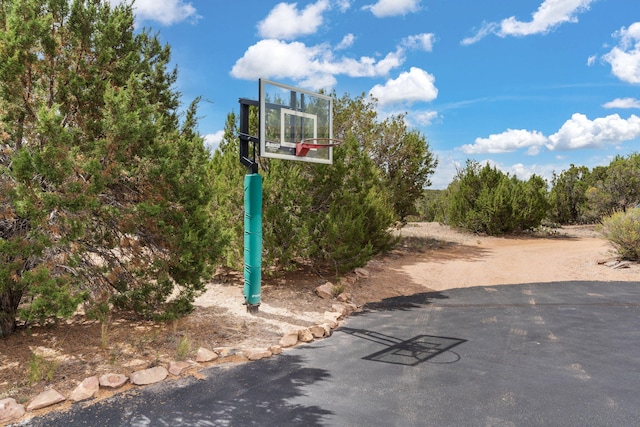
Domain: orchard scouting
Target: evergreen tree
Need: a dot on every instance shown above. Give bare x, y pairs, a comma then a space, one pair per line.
105, 194
568, 195
485, 200
402, 155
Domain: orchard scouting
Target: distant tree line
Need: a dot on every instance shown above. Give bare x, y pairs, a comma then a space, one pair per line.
482, 199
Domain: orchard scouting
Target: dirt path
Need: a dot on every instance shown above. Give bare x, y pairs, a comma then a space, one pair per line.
430, 258
487, 261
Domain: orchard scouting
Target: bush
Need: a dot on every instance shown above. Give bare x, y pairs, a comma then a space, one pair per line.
622, 229
485, 200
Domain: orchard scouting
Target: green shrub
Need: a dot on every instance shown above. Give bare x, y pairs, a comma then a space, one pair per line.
622, 229
482, 199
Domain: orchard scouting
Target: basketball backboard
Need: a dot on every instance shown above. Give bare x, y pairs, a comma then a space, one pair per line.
290, 115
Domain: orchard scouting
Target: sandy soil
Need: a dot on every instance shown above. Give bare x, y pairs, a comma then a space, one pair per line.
430, 257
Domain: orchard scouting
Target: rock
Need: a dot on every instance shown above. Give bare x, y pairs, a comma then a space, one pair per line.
289, 340
257, 354
275, 349
340, 308
226, 351
344, 297
325, 291
10, 410
622, 264
176, 368
112, 380
362, 273
149, 376
205, 355
85, 390
331, 317
317, 331
305, 335
327, 329
44, 399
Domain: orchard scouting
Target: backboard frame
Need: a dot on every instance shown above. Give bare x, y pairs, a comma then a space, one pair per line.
279, 141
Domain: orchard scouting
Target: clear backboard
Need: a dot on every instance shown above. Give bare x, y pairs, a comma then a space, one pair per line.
290, 116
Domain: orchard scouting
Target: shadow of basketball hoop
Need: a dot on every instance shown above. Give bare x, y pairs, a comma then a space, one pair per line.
409, 352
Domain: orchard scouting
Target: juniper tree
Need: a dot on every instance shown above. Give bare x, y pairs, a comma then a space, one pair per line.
104, 191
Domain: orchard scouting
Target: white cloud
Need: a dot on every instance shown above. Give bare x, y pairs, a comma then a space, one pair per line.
314, 66
167, 12
385, 8
212, 140
549, 15
591, 60
623, 103
422, 41
424, 118
625, 58
580, 132
346, 42
486, 29
343, 5
286, 22
507, 142
416, 85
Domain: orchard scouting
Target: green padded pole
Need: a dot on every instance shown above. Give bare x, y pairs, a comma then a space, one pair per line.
252, 240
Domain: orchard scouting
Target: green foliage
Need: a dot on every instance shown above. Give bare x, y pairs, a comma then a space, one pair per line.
227, 175
104, 189
402, 155
580, 195
334, 216
485, 200
353, 209
51, 297
622, 229
40, 369
429, 206
183, 348
617, 189
567, 198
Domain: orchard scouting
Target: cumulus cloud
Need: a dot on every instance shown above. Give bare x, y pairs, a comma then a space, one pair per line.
416, 85
346, 42
623, 103
286, 22
425, 118
549, 15
506, 142
212, 140
343, 5
386, 8
166, 12
315, 67
422, 41
625, 57
580, 132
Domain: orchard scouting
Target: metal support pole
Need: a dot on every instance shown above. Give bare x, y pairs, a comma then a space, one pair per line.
252, 241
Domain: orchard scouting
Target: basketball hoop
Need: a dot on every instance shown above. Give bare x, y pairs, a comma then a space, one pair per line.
303, 147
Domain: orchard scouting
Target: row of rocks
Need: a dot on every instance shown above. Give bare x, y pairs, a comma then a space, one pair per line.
615, 263
87, 389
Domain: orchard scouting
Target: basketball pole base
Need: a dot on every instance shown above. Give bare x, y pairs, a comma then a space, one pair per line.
252, 241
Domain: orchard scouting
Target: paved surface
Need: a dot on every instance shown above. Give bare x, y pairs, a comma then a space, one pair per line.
564, 354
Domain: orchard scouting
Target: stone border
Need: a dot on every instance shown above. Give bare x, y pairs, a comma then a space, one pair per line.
11, 411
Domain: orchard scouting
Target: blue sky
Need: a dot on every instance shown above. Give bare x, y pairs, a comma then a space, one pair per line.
531, 86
